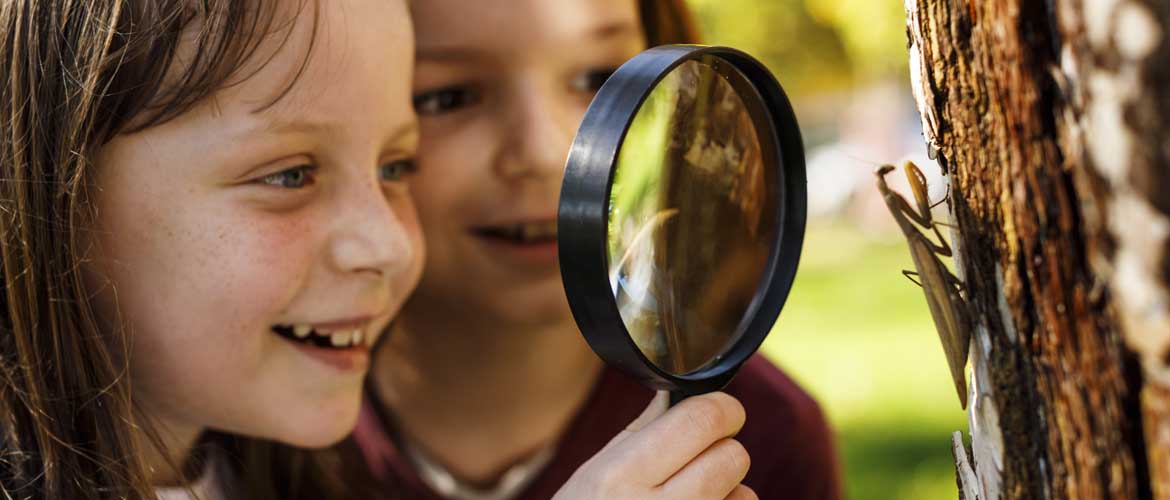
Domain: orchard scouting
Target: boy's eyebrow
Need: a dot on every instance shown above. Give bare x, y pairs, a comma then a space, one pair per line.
613, 30
458, 53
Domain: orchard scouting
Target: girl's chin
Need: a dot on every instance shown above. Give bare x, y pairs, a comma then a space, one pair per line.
319, 442
320, 437
320, 429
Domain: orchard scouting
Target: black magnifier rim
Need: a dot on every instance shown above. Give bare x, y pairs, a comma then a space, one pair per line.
583, 214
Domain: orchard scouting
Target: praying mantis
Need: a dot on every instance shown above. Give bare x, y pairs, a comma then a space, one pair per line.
942, 288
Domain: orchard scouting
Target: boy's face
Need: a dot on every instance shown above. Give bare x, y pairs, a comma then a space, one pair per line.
226, 232
501, 87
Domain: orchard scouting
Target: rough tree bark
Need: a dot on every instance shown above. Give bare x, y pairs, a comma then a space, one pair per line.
1052, 119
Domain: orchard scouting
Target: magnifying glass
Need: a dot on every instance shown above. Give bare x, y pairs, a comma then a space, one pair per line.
682, 214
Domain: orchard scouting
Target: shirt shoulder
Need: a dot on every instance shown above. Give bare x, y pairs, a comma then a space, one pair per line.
792, 448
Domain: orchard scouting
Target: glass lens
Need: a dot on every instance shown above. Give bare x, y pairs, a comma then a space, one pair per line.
692, 216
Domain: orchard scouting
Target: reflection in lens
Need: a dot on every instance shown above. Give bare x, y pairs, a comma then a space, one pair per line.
690, 224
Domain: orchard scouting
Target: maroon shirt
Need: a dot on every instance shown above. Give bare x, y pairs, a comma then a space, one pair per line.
791, 447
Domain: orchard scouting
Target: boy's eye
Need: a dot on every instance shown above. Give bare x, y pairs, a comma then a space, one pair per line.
292, 178
396, 170
444, 100
592, 80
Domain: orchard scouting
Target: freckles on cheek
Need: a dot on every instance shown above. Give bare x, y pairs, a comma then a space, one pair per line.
237, 266
276, 256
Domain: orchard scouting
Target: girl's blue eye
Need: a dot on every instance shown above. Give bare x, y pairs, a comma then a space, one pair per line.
444, 100
293, 178
396, 170
592, 80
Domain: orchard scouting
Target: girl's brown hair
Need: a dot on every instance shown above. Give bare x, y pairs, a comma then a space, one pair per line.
667, 22
73, 74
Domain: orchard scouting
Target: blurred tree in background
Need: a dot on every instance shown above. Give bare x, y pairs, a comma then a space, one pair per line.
871, 31
806, 54
814, 46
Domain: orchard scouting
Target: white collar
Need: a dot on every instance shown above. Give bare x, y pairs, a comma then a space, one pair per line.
209, 486
508, 487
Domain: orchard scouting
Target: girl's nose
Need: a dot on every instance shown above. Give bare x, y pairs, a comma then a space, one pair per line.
373, 234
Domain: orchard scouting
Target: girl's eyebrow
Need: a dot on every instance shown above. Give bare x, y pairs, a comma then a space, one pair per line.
293, 126
276, 125
406, 133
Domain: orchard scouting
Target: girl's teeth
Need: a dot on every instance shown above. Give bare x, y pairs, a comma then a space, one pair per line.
341, 338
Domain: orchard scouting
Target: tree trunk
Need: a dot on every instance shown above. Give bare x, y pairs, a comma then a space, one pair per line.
1052, 120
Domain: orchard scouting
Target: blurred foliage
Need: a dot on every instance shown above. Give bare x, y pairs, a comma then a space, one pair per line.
873, 31
812, 46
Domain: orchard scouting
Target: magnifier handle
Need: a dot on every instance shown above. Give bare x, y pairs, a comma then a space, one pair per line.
676, 397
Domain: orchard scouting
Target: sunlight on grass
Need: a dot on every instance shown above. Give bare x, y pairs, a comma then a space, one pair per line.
858, 336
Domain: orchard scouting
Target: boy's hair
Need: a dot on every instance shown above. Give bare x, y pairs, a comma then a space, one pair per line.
73, 74
667, 22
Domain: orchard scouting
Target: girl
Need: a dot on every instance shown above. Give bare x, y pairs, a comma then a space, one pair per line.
500, 87
204, 225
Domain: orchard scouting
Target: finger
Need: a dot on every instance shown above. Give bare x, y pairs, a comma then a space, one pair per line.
713, 474
658, 405
673, 440
742, 492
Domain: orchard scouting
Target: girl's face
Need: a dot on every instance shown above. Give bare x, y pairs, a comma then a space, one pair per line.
226, 232
500, 87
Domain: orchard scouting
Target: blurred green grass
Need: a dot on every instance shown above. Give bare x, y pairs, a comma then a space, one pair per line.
858, 336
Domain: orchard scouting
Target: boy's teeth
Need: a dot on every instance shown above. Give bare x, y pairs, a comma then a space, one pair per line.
302, 331
524, 232
357, 337
340, 339
528, 232
535, 230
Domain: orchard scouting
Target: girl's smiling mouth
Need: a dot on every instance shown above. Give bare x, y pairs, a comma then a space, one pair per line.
344, 345
321, 337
